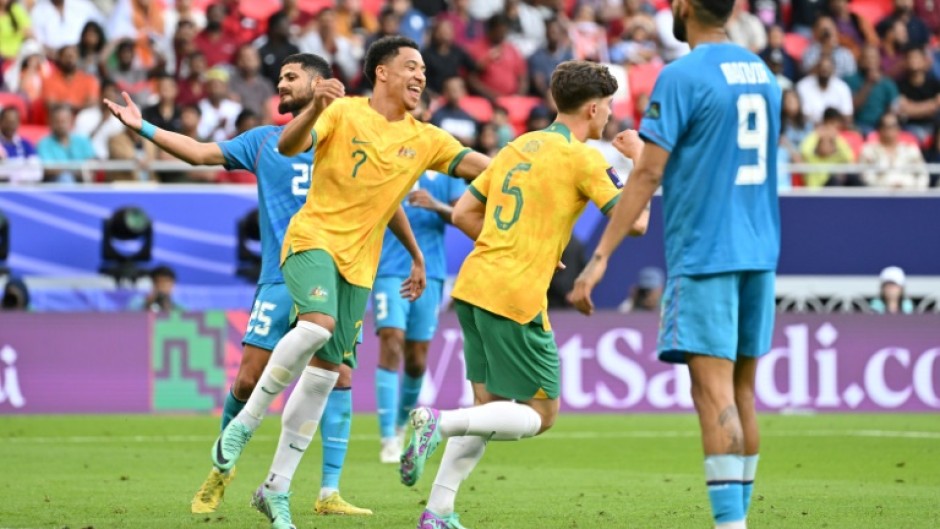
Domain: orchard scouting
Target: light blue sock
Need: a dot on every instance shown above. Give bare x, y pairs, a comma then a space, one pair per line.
750, 470
410, 389
231, 408
724, 475
334, 431
386, 400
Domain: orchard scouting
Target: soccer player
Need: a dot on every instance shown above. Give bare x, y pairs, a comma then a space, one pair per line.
369, 153
711, 132
405, 329
282, 186
520, 212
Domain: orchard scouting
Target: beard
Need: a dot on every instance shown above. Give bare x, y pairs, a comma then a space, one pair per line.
678, 28
295, 105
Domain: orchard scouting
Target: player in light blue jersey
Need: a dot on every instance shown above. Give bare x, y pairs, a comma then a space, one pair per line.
711, 129
282, 189
405, 328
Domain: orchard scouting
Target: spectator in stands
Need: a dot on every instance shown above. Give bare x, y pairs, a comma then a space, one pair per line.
430, 8
15, 295
192, 83
467, 29
540, 117
165, 114
527, 26
917, 30
451, 117
91, 47
573, 260
389, 24
444, 58
825, 146
413, 22
893, 46
217, 45
29, 70
190, 117
218, 110
932, 154
141, 22
588, 38
63, 146
854, 31
502, 69
335, 48
646, 294
794, 126
19, 161
920, 95
160, 297
544, 61
928, 11
631, 11
891, 298
246, 84
487, 140
298, 18
872, 93
776, 60
97, 123
775, 52
68, 85
183, 45
893, 163
354, 23
59, 23
746, 29
505, 132
183, 10
275, 46
246, 120
638, 46
826, 43
822, 90
672, 48
126, 146
128, 72
15, 27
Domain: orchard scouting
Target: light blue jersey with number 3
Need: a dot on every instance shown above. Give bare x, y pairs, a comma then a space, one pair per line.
717, 111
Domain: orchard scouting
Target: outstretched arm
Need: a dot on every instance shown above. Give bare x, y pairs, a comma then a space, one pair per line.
183, 147
412, 287
296, 137
471, 165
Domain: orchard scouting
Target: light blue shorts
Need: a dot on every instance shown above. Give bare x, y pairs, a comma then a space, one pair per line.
721, 315
270, 316
418, 319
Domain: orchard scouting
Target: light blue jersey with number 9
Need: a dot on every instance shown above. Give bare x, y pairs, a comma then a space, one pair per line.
717, 111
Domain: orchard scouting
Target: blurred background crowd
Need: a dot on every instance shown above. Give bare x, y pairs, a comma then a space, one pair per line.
860, 77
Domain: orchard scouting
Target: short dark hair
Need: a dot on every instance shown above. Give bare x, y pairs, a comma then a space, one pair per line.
162, 271
831, 114
6, 110
498, 20
311, 63
245, 115
384, 50
577, 82
714, 12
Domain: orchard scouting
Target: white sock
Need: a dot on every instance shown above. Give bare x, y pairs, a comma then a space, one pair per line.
499, 421
732, 525
287, 361
298, 424
460, 457
326, 491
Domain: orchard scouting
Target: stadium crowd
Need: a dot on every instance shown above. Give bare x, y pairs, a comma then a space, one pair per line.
860, 78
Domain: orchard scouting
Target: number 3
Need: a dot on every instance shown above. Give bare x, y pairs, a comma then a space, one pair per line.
752, 138
381, 305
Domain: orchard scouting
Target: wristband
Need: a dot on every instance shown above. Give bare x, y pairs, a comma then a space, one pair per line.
147, 130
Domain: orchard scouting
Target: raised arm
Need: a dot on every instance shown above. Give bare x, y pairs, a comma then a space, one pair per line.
183, 147
296, 136
412, 287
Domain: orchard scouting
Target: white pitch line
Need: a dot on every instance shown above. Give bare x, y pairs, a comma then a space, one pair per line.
561, 436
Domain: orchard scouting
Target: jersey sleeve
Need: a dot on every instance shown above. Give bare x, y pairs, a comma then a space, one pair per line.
327, 121
600, 184
480, 187
669, 109
448, 152
241, 152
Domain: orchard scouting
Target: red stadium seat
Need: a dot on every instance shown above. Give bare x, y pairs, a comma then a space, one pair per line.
259, 9
795, 44
33, 133
478, 107
519, 108
872, 10
854, 139
642, 78
276, 117
373, 6
903, 137
8, 99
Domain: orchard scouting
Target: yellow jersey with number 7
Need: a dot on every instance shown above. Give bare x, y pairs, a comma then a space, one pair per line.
363, 167
534, 190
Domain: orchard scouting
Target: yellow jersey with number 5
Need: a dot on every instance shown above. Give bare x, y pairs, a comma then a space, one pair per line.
534, 190
363, 167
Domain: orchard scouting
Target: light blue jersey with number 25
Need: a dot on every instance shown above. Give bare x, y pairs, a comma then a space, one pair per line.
717, 111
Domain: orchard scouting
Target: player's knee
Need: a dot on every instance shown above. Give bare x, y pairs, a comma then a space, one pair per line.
392, 348
244, 384
320, 320
415, 366
548, 414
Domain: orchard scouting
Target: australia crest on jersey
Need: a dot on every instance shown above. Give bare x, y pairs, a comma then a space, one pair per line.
407, 152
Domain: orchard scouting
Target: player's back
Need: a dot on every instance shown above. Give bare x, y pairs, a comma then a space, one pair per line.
282, 187
717, 111
534, 190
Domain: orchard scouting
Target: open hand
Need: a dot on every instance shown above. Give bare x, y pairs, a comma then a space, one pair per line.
592, 274
129, 115
413, 287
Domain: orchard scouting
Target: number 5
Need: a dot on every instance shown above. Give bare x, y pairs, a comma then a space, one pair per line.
516, 193
752, 138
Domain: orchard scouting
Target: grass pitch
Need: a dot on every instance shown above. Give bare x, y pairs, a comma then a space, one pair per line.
591, 471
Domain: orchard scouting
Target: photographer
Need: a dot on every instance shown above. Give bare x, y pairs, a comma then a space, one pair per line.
160, 298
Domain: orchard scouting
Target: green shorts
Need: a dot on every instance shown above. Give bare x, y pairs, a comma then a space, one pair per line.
514, 361
315, 285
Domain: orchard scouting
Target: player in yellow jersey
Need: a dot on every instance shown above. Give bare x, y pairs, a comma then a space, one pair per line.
520, 212
369, 153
